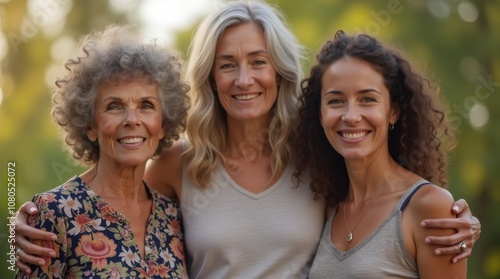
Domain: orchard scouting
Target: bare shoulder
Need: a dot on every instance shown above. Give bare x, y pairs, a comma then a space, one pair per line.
164, 172
431, 201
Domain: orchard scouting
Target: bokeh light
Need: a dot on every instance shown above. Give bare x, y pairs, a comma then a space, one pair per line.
438, 8
468, 11
479, 116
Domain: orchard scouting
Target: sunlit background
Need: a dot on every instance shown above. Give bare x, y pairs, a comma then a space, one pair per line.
456, 43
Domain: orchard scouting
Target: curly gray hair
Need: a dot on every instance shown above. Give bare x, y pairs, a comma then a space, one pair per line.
116, 52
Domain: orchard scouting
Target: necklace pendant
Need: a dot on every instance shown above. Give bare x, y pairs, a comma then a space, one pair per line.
349, 237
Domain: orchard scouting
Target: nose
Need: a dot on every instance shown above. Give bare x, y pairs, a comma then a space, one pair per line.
131, 117
244, 78
351, 114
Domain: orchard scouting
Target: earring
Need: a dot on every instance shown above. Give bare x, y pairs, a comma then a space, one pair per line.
391, 126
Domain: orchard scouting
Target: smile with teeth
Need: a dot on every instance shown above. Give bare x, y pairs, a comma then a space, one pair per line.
246, 96
353, 135
131, 140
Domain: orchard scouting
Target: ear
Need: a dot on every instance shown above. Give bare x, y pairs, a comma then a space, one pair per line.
91, 134
395, 112
320, 118
278, 80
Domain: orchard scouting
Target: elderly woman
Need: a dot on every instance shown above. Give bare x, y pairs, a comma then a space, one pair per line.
118, 104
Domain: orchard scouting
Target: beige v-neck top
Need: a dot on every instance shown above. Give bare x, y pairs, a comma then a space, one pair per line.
233, 233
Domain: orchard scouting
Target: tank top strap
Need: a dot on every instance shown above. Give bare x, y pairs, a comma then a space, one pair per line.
410, 192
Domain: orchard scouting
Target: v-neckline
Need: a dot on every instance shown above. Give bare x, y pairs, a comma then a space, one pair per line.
262, 194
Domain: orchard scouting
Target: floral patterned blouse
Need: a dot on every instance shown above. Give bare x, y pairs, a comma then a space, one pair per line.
95, 241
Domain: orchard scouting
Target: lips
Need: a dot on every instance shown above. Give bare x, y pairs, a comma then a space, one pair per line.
131, 140
245, 97
356, 135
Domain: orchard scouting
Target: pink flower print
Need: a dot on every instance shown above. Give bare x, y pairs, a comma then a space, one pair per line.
46, 198
96, 247
174, 227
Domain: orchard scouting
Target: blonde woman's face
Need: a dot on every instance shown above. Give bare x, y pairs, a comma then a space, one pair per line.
128, 122
245, 80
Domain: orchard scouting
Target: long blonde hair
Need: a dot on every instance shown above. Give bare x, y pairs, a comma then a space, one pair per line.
206, 128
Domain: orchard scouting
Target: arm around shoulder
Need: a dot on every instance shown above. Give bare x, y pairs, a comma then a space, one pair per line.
164, 173
431, 202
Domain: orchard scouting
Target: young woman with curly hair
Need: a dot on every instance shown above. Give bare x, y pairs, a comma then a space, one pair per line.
374, 138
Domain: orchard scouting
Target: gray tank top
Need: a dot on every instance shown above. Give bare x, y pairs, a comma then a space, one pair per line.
383, 254
233, 233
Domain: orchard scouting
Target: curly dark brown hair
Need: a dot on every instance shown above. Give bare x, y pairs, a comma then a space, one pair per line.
421, 136
116, 52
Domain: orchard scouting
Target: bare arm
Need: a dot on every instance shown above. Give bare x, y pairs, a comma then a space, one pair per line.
164, 173
468, 230
432, 202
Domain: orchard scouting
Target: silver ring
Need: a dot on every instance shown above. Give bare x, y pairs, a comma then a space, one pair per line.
462, 247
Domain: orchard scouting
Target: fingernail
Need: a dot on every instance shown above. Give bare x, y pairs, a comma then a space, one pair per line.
52, 254
53, 237
422, 224
427, 240
455, 208
32, 209
41, 262
454, 260
438, 252
28, 271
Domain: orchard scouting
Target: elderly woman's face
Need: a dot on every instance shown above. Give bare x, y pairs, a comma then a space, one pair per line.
128, 122
245, 80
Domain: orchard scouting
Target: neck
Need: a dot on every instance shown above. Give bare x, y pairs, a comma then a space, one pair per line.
113, 182
366, 180
247, 138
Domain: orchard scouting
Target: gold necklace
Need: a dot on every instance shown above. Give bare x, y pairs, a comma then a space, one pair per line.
349, 235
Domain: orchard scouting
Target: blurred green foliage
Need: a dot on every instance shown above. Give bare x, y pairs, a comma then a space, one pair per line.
455, 42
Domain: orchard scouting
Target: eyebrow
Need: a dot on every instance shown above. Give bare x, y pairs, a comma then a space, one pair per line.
362, 91
252, 53
115, 99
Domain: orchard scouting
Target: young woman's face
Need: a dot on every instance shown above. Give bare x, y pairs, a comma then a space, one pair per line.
128, 122
355, 109
245, 80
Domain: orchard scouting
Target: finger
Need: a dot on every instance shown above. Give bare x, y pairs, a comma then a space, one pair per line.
22, 266
446, 223
449, 240
29, 259
462, 256
33, 250
460, 206
23, 230
28, 208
